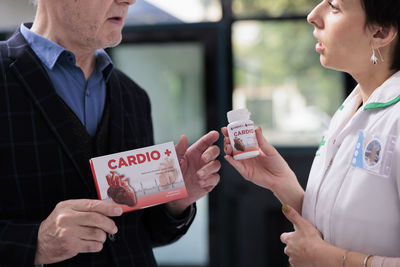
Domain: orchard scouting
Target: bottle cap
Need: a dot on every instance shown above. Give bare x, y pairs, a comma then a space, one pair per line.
238, 115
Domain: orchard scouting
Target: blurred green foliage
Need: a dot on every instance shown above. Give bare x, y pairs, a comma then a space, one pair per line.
272, 7
282, 52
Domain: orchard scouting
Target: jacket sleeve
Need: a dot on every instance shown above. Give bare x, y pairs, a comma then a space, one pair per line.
18, 243
163, 228
18, 238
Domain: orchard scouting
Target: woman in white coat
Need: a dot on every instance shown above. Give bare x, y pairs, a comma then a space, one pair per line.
349, 214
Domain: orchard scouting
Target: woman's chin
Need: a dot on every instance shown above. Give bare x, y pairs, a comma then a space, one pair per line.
328, 64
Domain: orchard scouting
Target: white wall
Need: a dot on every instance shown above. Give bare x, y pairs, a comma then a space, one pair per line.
13, 12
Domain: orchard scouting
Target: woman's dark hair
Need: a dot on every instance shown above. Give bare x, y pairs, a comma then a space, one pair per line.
385, 13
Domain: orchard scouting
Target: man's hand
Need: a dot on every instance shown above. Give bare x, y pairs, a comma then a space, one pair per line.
75, 226
199, 169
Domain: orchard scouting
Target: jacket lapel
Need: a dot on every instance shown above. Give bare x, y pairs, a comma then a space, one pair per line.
117, 126
32, 75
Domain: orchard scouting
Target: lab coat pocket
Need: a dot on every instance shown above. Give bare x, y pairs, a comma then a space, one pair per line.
374, 152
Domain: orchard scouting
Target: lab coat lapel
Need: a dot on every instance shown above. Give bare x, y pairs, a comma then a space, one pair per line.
345, 116
339, 122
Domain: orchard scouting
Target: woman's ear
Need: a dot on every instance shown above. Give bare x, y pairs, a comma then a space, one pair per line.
383, 36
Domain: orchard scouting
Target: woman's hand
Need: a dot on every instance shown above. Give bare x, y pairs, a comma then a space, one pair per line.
268, 170
303, 244
264, 170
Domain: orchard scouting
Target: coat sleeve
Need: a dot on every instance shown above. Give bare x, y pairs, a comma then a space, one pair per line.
18, 238
18, 243
397, 166
385, 262
163, 228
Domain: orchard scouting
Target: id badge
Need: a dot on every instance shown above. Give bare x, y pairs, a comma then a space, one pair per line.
374, 153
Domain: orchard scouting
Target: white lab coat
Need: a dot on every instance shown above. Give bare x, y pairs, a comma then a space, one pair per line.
353, 191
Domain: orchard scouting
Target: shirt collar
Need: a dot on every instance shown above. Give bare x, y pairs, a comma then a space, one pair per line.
49, 52
385, 95
104, 63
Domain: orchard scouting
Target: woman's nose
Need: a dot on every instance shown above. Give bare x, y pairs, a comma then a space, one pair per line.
314, 17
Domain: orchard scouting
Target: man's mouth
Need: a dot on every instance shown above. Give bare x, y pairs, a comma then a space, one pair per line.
117, 19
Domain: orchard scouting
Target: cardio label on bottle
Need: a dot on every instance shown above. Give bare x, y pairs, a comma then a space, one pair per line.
241, 131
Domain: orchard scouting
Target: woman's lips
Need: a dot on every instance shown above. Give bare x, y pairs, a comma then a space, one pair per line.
319, 47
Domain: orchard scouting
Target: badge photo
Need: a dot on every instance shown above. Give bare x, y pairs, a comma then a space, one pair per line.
374, 153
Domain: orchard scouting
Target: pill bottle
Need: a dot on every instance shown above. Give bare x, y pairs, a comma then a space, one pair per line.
242, 134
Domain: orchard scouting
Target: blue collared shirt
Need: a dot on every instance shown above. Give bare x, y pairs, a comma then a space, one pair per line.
85, 98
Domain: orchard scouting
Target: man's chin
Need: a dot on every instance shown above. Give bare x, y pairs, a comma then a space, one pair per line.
113, 42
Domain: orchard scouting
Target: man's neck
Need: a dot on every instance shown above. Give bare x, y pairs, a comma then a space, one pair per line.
85, 57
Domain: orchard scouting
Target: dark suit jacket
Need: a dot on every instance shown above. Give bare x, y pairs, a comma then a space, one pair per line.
43, 162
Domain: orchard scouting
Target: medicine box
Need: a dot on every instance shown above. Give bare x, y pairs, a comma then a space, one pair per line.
139, 178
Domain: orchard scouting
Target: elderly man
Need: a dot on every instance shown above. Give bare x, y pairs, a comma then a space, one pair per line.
61, 103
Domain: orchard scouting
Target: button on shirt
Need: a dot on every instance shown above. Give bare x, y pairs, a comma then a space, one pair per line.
85, 98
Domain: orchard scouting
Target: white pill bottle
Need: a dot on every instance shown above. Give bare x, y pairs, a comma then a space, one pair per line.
242, 134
